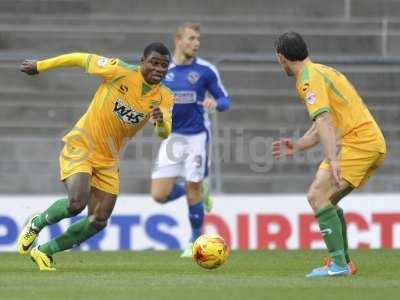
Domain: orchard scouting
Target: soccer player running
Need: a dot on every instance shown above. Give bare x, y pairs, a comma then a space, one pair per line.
186, 151
340, 119
127, 98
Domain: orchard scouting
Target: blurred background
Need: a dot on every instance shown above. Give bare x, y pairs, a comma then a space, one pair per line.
359, 37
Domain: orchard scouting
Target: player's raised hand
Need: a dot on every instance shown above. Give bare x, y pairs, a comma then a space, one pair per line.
335, 172
209, 104
283, 147
29, 67
156, 114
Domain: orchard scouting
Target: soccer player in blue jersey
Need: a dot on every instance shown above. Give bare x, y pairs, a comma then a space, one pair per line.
185, 154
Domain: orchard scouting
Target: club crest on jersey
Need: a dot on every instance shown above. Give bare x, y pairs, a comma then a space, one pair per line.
193, 77
126, 114
102, 62
311, 97
170, 77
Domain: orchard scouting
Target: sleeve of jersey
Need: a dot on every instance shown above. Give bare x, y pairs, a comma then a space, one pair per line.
102, 66
91, 63
314, 94
217, 90
164, 129
63, 61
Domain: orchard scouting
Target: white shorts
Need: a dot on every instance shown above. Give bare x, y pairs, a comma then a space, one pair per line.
183, 156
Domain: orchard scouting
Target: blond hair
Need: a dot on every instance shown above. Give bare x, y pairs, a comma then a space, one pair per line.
181, 29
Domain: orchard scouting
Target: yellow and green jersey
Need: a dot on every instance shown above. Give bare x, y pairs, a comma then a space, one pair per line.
119, 109
324, 89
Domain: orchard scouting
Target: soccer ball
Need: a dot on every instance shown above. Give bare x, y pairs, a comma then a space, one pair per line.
210, 251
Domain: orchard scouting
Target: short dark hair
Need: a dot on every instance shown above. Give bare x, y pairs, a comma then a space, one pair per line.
292, 46
156, 47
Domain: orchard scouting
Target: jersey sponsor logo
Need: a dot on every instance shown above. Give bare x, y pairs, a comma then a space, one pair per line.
311, 97
193, 77
102, 62
185, 97
128, 115
169, 77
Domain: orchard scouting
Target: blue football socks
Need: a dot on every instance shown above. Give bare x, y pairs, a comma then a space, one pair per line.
178, 190
196, 218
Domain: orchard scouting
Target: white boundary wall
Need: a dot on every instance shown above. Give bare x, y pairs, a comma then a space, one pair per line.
246, 222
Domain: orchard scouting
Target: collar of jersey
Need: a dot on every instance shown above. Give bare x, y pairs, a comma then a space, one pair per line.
298, 79
174, 64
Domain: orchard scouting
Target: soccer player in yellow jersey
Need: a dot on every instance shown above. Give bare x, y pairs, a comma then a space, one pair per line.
128, 97
341, 121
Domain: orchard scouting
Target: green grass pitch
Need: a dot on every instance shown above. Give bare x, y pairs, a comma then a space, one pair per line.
163, 275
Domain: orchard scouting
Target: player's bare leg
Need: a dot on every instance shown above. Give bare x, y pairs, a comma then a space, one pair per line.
78, 188
80, 194
166, 189
100, 208
320, 196
196, 213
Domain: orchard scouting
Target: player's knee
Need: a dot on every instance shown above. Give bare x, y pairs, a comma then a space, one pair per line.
194, 191
78, 202
99, 222
194, 196
317, 199
313, 198
76, 206
193, 199
159, 197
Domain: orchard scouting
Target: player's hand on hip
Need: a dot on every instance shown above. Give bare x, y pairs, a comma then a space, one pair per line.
29, 67
209, 104
335, 172
156, 115
283, 147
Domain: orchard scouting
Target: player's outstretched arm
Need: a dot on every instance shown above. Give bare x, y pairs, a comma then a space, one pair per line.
221, 101
32, 67
288, 147
283, 147
308, 140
